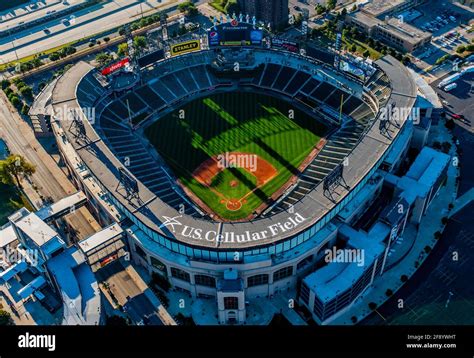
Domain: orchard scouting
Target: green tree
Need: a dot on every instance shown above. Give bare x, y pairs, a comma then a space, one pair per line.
231, 7
122, 49
139, 42
25, 109
14, 168
366, 53
15, 100
27, 92
331, 4
103, 58
188, 8
54, 56
5, 84
320, 9
461, 49
5, 318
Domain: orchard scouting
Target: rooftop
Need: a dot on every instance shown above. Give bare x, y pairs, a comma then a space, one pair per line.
404, 30
336, 277
39, 232
100, 238
381, 7
78, 286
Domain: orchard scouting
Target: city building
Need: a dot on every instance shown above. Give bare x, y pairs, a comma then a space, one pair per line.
37, 264
382, 8
273, 12
390, 30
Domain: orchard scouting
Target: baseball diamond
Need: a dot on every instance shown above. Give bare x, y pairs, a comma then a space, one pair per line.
192, 137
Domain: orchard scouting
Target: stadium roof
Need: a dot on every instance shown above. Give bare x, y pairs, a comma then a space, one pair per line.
158, 216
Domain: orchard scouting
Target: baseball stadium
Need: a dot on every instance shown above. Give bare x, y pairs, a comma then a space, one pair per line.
234, 163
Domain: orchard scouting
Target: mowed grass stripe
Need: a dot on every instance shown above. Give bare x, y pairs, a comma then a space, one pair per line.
231, 122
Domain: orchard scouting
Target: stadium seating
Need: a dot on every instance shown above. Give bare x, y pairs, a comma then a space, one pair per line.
190, 74
89, 91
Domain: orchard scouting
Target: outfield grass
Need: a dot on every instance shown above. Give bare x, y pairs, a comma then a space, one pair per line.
235, 122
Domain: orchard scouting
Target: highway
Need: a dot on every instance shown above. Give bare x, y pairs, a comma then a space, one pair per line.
86, 22
49, 178
25, 14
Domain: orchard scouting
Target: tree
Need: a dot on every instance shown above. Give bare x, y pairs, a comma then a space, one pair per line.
26, 91
232, 7
353, 48
5, 318
122, 49
331, 4
320, 9
461, 49
54, 56
14, 168
15, 100
139, 42
25, 109
366, 53
5, 84
102, 58
188, 8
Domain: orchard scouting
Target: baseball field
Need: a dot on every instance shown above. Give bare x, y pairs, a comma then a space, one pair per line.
234, 153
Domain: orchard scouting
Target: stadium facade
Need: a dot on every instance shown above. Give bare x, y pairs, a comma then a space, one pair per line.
97, 134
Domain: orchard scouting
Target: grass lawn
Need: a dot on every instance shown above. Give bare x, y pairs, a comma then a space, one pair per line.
235, 122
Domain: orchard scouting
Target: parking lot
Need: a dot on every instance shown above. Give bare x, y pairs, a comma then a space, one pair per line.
447, 22
459, 101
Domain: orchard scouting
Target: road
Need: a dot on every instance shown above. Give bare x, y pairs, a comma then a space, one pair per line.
25, 14
87, 22
49, 178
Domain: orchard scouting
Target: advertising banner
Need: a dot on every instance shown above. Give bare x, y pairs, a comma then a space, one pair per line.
291, 46
115, 67
185, 47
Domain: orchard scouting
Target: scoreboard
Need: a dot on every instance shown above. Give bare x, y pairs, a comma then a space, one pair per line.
235, 34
